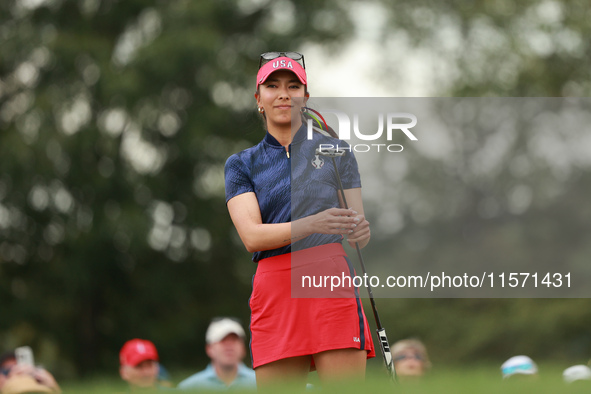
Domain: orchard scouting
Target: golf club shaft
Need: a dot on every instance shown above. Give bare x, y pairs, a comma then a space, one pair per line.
384, 344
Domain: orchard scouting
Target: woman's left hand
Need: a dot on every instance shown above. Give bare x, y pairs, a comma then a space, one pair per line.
361, 233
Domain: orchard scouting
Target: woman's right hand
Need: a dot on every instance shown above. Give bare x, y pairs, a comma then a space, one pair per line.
335, 221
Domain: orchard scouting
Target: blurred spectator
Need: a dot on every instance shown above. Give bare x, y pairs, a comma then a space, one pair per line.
410, 358
225, 347
576, 372
140, 365
519, 365
6, 361
21, 379
164, 379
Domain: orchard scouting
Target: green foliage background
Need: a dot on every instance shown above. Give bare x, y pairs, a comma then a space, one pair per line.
116, 118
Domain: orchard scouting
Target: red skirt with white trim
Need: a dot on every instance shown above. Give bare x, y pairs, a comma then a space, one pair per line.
297, 310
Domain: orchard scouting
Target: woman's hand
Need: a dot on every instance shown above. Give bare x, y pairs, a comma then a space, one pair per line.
361, 233
335, 221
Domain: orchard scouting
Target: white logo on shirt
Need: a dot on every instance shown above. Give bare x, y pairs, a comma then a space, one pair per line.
317, 162
355, 339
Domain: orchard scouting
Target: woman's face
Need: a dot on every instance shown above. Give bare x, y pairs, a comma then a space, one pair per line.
275, 96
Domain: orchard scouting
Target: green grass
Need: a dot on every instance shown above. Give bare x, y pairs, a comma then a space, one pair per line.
481, 379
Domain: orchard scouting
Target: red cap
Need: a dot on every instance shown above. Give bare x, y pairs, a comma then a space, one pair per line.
135, 351
281, 63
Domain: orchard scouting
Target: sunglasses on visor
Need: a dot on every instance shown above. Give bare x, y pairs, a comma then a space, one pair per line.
268, 56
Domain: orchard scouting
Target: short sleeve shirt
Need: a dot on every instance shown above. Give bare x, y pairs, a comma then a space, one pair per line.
292, 184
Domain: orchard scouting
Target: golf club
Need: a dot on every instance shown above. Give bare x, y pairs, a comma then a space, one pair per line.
381, 331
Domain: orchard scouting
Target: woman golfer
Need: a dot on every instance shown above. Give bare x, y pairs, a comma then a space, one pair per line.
284, 202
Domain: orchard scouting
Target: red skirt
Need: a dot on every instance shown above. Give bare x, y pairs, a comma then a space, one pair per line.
282, 326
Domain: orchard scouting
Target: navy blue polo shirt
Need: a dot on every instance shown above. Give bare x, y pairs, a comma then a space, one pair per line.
291, 186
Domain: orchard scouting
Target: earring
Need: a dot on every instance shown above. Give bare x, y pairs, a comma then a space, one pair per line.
261, 110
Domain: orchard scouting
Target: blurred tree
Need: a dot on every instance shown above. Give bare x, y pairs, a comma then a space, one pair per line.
116, 118
490, 195
489, 47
